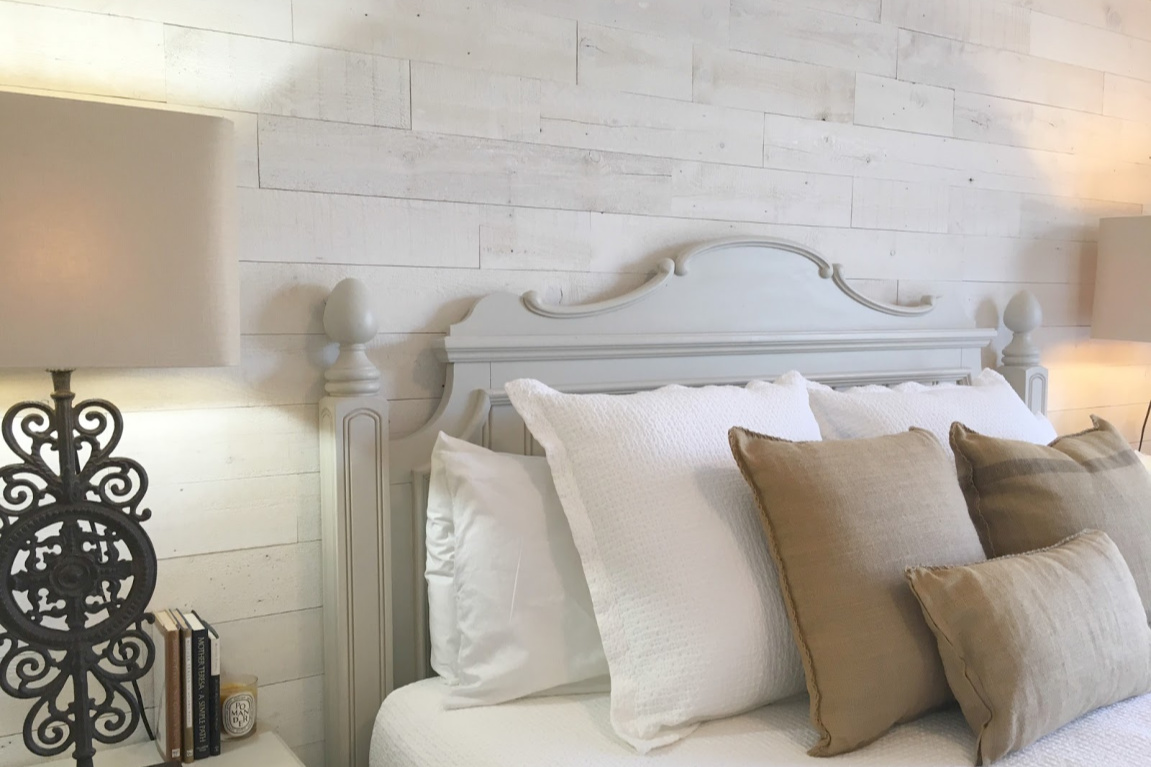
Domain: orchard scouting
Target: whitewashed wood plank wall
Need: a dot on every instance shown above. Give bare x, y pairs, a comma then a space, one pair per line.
440, 150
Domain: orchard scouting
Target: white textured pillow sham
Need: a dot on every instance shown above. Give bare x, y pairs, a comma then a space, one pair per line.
684, 590
524, 619
989, 406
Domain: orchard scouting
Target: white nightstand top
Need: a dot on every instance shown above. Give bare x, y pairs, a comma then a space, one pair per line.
264, 749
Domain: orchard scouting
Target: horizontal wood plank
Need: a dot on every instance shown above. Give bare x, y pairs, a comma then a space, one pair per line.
1090, 47
985, 212
309, 155
1127, 98
981, 69
622, 122
273, 77
188, 517
863, 9
788, 31
484, 35
90, 53
1066, 218
471, 103
619, 59
307, 227
1003, 24
279, 647
701, 190
258, 18
277, 580
778, 86
294, 709
899, 205
691, 19
1128, 17
887, 103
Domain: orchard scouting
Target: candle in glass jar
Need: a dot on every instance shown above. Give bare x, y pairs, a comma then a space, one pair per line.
238, 696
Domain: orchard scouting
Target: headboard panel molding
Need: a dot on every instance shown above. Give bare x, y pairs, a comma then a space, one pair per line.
723, 313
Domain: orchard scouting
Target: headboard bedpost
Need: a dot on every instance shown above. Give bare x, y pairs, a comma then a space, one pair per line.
1021, 365
355, 532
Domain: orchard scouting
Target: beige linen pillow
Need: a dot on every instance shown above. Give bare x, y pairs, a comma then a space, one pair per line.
1033, 641
1023, 497
843, 520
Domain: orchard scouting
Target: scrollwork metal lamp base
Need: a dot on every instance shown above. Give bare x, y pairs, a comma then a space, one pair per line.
78, 572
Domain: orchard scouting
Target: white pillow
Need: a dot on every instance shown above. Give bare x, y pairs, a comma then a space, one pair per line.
684, 589
439, 571
989, 406
524, 615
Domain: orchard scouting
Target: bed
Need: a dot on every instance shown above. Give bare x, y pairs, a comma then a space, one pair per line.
725, 312
414, 730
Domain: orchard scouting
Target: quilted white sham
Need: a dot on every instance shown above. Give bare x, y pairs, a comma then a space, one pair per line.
689, 609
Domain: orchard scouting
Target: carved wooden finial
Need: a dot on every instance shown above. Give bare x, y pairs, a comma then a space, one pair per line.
1022, 315
349, 321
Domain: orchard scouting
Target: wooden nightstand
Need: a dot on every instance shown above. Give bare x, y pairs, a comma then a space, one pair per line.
264, 749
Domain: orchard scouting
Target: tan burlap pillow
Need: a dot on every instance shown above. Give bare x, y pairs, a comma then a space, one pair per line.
1033, 641
1023, 497
843, 520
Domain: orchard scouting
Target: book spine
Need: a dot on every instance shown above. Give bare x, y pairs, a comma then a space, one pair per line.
214, 730
189, 728
215, 723
200, 673
173, 696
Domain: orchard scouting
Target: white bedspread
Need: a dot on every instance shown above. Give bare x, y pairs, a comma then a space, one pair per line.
413, 730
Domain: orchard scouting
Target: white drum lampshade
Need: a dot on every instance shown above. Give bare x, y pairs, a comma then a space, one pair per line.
116, 236
1122, 307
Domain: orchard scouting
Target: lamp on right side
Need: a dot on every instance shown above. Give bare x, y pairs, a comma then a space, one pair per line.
1122, 307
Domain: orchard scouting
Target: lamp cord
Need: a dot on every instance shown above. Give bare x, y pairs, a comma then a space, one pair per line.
1144, 429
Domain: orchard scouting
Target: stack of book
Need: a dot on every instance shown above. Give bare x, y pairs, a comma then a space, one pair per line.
187, 685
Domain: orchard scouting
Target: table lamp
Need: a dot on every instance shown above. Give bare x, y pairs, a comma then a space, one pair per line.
1122, 307
116, 250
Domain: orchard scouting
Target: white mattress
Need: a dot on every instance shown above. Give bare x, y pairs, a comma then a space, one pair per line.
413, 730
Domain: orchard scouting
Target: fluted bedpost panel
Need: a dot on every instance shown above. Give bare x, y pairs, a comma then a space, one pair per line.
1021, 367
356, 531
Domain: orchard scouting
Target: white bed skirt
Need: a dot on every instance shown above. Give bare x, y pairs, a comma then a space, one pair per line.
413, 730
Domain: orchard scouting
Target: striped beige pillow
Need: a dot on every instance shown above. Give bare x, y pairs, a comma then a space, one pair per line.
1023, 497
1033, 641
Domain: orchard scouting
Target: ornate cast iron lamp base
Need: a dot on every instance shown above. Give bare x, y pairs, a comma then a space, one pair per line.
78, 572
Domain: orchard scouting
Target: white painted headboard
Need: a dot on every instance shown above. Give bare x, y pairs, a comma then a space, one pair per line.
727, 312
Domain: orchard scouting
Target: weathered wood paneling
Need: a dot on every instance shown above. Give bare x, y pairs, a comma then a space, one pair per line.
595, 119
1091, 47
256, 75
618, 59
470, 103
887, 103
778, 86
788, 31
441, 151
693, 19
81, 52
259, 18
1003, 24
996, 72
483, 35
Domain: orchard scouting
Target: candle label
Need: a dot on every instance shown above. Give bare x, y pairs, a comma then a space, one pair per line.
239, 714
